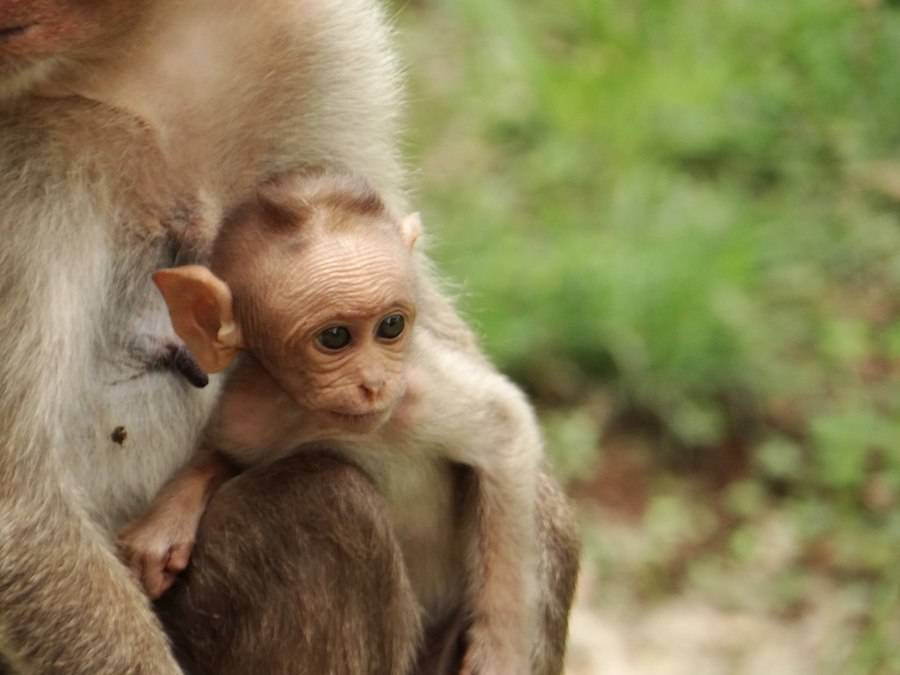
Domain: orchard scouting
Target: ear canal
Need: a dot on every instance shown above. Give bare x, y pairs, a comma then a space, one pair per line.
411, 228
200, 306
229, 334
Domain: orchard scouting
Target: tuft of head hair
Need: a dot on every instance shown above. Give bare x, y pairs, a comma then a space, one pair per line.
290, 201
280, 207
285, 212
336, 191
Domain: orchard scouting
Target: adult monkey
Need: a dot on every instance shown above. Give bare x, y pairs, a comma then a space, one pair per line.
114, 117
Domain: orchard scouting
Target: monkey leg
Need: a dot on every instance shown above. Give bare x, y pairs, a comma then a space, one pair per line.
295, 571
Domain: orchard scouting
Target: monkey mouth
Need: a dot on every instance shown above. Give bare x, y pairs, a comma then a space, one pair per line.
11, 32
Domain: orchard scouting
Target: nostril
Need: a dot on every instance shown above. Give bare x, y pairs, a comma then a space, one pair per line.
372, 387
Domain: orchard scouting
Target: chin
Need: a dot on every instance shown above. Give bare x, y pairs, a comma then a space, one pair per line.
361, 423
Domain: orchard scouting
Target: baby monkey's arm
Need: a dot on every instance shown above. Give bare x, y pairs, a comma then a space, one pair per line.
157, 546
481, 420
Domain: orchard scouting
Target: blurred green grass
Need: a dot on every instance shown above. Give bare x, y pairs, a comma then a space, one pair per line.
689, 210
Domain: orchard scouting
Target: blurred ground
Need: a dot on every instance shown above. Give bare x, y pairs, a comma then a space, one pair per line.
691, 636
692, 632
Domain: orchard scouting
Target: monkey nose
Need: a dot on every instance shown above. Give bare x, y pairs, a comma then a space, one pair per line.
372, 386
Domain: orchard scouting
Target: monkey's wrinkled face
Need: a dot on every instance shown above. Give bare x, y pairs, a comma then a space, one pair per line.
34, 34
339, 329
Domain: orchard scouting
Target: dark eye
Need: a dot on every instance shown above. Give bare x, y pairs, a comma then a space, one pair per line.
391, 327
334, 338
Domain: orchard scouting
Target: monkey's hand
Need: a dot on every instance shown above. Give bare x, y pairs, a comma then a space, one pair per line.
158, 547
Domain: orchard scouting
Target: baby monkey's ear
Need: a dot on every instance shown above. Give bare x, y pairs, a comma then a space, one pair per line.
411, 228
201, 308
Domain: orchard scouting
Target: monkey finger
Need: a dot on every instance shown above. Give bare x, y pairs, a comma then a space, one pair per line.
164, 583
153, 576
130, 545
125, 546
179, 557
131, 553
158, 584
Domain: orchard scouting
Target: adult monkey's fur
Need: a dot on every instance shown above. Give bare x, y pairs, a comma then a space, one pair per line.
119, 121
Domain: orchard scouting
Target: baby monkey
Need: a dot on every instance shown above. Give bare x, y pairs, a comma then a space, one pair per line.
313, 285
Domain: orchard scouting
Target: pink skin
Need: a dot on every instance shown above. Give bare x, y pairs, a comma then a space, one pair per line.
157, 547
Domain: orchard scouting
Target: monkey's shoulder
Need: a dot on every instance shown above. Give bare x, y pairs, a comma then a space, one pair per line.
452, 392
443, 368
95, 159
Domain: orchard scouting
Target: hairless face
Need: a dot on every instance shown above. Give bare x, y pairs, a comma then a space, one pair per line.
324, 297
334, 332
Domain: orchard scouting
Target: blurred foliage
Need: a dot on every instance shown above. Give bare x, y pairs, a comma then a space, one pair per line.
694, 208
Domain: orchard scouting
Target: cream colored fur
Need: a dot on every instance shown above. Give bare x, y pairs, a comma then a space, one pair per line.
97, 171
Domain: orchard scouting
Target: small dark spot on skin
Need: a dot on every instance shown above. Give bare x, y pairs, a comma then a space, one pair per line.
119, 435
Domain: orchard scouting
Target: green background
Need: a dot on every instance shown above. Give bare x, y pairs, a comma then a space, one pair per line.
677, 225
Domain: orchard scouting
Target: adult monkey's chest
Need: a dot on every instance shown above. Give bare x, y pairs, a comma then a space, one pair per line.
138, 417
151, 191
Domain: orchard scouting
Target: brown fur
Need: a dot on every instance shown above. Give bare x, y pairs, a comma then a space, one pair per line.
266, 564
215, 611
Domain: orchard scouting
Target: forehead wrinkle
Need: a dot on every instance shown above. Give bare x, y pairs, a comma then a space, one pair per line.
354, 275
327, 278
